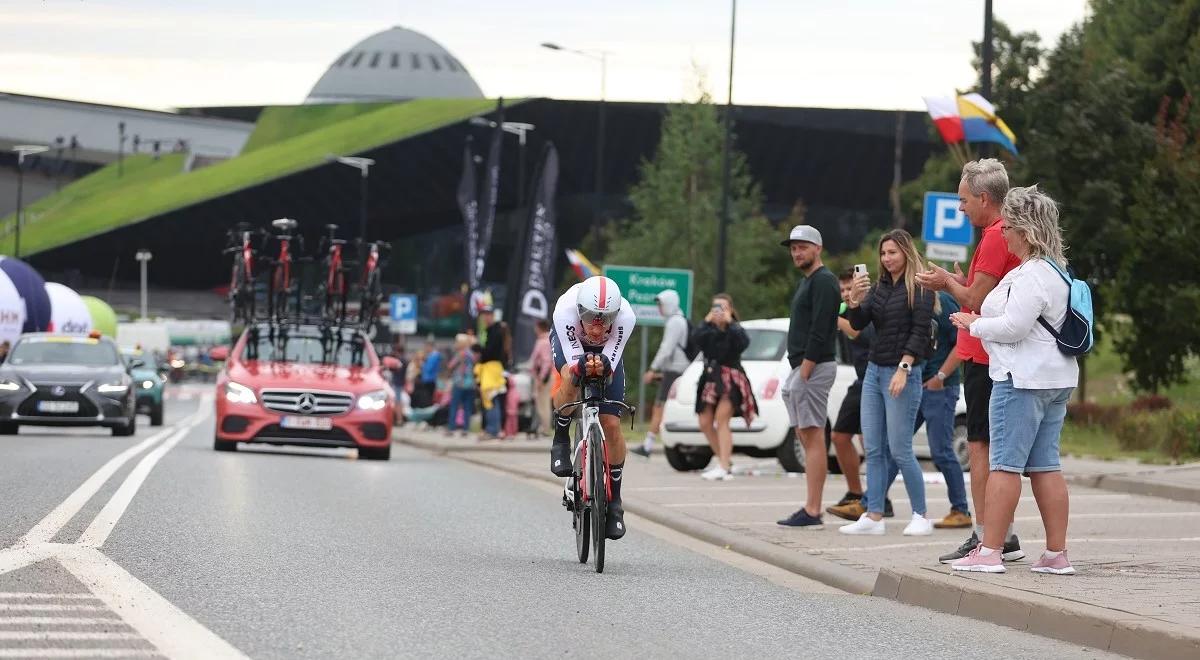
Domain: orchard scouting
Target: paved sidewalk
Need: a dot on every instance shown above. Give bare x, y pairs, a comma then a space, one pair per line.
1180, 482
1138, 557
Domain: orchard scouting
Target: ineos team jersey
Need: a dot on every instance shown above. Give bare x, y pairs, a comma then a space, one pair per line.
570, 332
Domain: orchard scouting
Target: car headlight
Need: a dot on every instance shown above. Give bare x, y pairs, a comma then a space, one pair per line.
147, 384
373, 400
9, 386
113, 388
238, 393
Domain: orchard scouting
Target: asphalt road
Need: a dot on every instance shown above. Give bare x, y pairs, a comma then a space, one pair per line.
301, 553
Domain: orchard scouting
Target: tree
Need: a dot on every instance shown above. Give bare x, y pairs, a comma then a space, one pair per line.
676, 207
1156, 282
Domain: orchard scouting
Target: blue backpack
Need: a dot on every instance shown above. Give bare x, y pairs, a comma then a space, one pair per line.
1075, 337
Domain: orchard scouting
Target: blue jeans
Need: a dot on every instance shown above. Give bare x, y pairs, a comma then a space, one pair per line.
462, 399
888, 422
491, 418
1026, 427
937, 406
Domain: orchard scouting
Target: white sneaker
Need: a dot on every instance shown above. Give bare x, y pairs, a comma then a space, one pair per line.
864, 526
717, 473
920, 526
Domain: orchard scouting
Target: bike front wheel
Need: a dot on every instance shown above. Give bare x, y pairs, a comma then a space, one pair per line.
599, 493
582, 523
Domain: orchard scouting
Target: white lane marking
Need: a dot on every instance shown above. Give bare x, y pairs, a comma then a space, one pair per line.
21, 556
161, 623
79, 653
62, 514
901, 546
97, 533
58, 620
49, 595
56, 635
793, 503
48, 607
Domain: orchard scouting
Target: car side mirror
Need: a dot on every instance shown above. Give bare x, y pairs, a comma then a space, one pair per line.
390, 363
136, 364
219, 353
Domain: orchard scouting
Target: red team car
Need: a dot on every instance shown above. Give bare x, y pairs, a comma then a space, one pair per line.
305, 385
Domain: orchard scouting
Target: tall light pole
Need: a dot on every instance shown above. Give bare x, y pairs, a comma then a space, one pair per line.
143, 257
22, 150
600, 56
519, 129
985, 69
363, 165
120, 149
722, 234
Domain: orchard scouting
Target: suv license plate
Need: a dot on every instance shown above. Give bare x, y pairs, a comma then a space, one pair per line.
58, 406
307, 423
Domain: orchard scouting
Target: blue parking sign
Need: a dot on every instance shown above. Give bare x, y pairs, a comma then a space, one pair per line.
403, 312
944, 223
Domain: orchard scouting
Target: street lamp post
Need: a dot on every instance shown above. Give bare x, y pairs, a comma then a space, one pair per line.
600, 56
143, 257
120, 149
519, 129
726, 156
22, 150
363, 165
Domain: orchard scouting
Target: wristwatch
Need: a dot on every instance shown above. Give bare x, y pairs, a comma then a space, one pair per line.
904, 366
941, 376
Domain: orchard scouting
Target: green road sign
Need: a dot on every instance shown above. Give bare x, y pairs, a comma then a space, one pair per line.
640, 284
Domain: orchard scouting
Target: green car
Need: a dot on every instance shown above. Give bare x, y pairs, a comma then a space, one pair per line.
148, 384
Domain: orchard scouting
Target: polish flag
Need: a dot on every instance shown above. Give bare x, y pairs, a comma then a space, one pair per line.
944, 111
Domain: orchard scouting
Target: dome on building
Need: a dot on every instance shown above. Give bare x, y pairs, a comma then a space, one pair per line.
394, 65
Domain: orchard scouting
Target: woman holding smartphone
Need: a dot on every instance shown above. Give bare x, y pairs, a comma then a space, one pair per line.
724, 390
891, 394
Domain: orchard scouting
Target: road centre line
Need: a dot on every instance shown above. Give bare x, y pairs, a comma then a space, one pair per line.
79, 653
59, 621
97, 532
49, 526
21, 556
63, 635
44, 594
48, 607
157, 620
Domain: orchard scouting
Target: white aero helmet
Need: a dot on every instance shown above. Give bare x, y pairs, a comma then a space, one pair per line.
598, 301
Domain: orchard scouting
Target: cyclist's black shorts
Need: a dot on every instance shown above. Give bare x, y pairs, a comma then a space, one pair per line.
615, 390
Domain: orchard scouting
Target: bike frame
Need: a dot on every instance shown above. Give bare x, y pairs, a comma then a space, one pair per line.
335, 266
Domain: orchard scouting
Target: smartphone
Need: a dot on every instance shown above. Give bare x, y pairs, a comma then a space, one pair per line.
860, 269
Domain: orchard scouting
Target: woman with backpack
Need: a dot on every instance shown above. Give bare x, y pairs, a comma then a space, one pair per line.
723, 391
462, 385
1033, 377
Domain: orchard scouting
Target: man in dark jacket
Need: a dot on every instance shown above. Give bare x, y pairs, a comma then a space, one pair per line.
812, 353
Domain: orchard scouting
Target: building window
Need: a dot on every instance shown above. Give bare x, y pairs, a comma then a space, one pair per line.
375, 59
433, 60
416, 62
395, 60
357, 58
342, 60
450, 64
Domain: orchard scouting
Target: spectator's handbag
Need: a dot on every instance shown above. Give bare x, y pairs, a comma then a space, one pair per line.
1074, 338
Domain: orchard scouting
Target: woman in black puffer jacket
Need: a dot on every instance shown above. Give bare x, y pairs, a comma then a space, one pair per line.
724, 390
891, 394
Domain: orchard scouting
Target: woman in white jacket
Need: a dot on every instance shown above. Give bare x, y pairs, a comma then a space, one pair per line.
1033, 381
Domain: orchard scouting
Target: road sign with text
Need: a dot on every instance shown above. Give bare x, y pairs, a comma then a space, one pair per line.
640, 284
403, 313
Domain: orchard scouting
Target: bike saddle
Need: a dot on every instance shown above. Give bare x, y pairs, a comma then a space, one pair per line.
284, 224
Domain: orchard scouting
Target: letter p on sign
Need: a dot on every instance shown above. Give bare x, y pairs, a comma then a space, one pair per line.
944, 223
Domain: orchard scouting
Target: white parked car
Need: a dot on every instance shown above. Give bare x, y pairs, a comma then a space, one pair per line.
765, 361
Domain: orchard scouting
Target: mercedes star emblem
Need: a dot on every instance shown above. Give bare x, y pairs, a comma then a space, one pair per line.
306, 403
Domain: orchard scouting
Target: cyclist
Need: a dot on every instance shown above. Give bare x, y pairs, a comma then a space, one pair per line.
597, 324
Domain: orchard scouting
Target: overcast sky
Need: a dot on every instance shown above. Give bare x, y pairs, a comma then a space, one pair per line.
844, 53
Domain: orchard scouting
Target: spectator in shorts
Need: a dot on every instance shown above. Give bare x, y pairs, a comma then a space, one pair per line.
1033, 381
849, 424
812, 355
891, 396
723, 391
669, 362
980, 192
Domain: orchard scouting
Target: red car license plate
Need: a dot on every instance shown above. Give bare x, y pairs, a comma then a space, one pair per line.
307, 423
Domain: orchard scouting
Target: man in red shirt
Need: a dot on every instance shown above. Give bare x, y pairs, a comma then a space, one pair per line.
981, 192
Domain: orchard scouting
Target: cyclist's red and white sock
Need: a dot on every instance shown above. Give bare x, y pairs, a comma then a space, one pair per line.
616, 470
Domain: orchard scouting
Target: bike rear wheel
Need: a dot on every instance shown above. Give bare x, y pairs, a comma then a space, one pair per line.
599, 495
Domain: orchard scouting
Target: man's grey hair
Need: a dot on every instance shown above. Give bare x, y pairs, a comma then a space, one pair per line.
986, 175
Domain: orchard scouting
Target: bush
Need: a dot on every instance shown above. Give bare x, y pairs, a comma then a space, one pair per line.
1088, 413
1182, 439
1150, 403
1141, 431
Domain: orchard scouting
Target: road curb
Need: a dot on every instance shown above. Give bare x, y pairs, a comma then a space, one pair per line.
1138, 486
837, 576
443, 449
1108, 630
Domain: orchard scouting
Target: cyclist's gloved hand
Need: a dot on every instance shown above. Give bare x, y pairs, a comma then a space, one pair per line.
606, 369
579, 369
